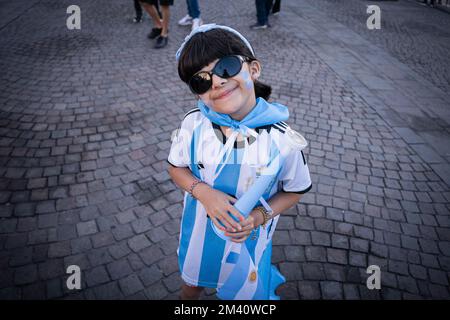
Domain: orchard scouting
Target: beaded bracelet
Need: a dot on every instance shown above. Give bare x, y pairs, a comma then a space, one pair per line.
265, 214
193, 185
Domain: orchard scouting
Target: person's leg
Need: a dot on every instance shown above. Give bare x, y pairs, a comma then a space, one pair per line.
162, 40
261, 12
156, 4
276, 6
188, 4
187, 19
190, 292
153, 13
193, 8
138, 9
165, 20
269, 4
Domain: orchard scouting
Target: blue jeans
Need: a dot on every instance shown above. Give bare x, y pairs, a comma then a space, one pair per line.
262, 11
193, 8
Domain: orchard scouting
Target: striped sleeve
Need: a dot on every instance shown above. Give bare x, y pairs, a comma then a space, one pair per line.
179, 151
295, 174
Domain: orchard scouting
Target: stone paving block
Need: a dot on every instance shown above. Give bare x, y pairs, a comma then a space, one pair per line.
294, 253
320, 238
427, 153
150, 275
16, 241
138, 243
278, 254
108, 291
96, 276
292, 270
119, 249
35, 291
59, 249
80, 260
357, 259
331, 290
25, 274
121, 232
157, 234
21, 256
99, 256
359, 245
309, 290
151, 254
141, 225
408, 284
313, 271
337, 256
158, 218
86, 228
119, 269
156, 291
173, 282
168, 265
83, 178
136, 262
351, 292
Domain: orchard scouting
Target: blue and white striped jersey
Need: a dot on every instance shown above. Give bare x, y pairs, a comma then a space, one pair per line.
205, 259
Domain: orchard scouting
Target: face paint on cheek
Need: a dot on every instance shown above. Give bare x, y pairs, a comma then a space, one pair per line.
247, 80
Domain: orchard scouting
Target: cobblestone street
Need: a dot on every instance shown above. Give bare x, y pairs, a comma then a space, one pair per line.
86, 118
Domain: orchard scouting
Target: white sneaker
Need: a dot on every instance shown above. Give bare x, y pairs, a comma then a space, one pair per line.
197, 22
185, 21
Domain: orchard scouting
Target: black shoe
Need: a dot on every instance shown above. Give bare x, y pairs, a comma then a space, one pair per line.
154, 33
161, 42
137, 19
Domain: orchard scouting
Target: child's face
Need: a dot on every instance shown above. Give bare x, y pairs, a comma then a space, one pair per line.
233, 96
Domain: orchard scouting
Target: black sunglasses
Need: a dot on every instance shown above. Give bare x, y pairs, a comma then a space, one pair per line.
226, 67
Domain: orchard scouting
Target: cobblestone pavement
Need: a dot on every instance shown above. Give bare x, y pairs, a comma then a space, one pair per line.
417, 36
85, 124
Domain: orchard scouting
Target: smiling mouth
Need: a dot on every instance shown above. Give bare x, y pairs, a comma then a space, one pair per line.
226, 93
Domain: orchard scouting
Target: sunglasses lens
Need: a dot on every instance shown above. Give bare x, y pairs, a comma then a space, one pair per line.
200, 83
228, 67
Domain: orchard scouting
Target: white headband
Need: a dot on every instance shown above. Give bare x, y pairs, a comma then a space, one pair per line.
207, 27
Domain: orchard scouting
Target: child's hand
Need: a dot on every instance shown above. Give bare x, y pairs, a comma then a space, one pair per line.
217, 205
247, 226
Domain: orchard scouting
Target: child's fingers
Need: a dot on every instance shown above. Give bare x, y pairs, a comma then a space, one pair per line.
232, 224
239, 240
237, 234
246, 228
225, 221
217, 222
232, 199
250, 221
247, 223
236, 213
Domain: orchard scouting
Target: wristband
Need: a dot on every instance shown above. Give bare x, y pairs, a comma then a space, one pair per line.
193, 185
265, 214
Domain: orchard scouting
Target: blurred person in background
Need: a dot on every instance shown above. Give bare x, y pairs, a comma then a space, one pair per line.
193, 16
276, 7
263, 8
138, 9
160, 31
